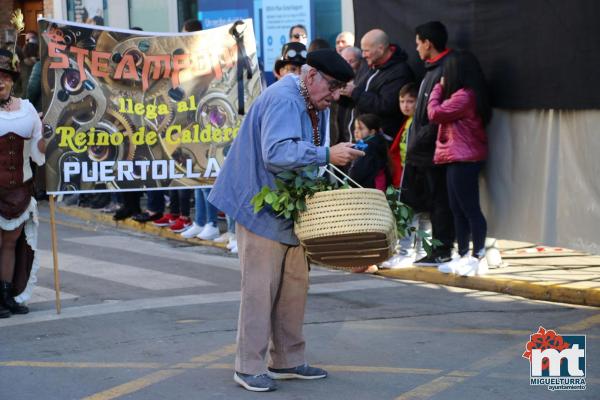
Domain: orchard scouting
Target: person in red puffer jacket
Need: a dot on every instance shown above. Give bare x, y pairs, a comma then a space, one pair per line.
459, 104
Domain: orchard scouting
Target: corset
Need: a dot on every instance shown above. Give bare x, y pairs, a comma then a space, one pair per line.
11, 160
15, 195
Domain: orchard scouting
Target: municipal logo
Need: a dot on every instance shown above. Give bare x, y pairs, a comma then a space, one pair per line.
556, 361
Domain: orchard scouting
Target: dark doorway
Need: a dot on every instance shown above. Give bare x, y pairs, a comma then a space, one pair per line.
32, 9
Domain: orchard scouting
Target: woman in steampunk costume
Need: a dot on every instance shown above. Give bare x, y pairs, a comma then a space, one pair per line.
20, 140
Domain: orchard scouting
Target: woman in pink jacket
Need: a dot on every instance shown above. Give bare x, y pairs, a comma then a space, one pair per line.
460, 105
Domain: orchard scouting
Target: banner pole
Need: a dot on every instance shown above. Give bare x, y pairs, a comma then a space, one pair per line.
54, 252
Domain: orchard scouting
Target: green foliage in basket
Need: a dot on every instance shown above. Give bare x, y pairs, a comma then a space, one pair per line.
292, 188
404, 220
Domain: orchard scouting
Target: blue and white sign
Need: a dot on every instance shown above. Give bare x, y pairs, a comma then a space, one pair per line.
216, 18
277, 19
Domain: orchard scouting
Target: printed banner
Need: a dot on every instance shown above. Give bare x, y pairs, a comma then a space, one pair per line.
131, 110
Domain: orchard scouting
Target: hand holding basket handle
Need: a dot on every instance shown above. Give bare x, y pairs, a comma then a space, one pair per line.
343, 153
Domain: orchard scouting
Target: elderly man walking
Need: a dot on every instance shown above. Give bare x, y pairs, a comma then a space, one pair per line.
285, 129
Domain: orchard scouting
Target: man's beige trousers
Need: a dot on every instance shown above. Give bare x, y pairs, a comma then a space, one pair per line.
272, 307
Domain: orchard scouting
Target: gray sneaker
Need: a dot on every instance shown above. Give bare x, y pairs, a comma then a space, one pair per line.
303, 371
255, 383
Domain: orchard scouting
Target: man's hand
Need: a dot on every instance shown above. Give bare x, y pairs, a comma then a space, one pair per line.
348, 89
342, 153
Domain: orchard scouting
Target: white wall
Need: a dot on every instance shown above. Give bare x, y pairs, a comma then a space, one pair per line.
154, 15
347, 15
118, 13
541, 178
59, 10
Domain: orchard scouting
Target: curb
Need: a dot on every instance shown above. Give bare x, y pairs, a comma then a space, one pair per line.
515, 287
531, 290
148, 228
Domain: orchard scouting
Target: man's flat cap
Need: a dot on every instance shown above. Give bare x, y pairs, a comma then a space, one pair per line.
331, 63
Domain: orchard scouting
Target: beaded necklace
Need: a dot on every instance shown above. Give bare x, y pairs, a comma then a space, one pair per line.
312, 113
5, 103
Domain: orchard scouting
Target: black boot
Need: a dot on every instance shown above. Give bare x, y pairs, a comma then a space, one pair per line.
7, 300
4, 312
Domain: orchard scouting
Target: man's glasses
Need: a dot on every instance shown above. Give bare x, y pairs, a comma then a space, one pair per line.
299, 35
333, 84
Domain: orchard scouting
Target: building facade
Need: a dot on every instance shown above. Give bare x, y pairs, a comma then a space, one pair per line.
332, 16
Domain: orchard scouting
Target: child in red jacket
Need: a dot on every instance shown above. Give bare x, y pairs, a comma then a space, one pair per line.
410, 248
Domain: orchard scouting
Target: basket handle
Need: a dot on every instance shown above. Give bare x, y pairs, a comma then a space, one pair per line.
340, 172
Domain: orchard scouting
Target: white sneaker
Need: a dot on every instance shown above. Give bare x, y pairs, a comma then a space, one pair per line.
192, 231
404, 261
391, 261
234, 248
483, 267
397, 258
232, 243
451, 267
209, 232
473, 266
493, 257
224, 237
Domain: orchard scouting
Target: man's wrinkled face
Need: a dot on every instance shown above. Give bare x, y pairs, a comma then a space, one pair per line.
372, 52
322, 89
351, 59
341, 43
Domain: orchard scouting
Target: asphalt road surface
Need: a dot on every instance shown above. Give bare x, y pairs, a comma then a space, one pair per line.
146, 318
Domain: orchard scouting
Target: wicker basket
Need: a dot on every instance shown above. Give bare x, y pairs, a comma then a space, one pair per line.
347, 228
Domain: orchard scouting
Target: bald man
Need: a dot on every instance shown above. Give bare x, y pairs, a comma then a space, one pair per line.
388, 72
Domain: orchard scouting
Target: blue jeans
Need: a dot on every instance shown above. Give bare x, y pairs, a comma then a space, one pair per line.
230, 224
205, 212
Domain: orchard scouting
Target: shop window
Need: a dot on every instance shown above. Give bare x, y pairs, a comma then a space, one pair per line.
88, 11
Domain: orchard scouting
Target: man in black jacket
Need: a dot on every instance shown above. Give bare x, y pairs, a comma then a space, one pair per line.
432, 195
389, 71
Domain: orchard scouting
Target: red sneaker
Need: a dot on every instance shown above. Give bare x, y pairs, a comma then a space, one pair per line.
181, 224
166, 220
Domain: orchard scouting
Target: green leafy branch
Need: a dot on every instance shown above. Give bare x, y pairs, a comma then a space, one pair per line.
404, 217
292, 188
288, 198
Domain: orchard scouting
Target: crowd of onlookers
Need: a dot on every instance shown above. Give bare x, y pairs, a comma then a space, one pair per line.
426, 138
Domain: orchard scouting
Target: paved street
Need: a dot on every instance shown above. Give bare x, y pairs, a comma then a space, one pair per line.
148, 318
